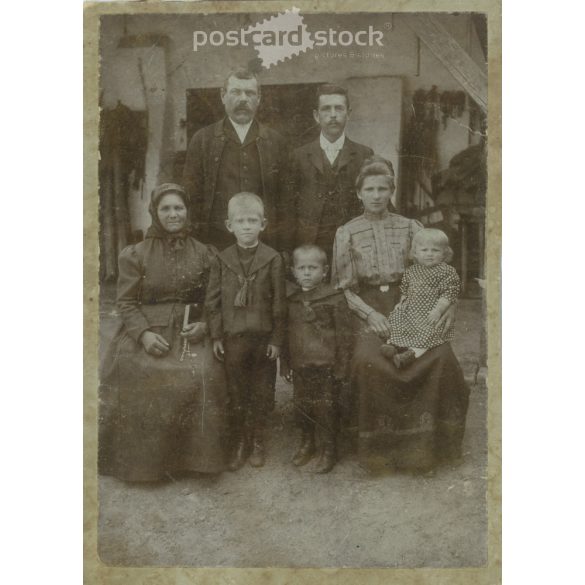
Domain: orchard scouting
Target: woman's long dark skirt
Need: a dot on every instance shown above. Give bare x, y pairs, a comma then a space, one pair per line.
411, 418
160, 416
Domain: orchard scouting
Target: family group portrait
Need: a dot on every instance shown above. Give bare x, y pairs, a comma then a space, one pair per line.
293, 271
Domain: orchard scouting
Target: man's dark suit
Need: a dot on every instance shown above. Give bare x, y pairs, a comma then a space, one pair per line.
211, 177
321, 196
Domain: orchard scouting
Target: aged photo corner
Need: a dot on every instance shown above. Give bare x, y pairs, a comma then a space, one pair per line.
294, 280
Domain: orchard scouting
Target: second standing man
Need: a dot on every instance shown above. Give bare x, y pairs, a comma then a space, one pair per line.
322, 173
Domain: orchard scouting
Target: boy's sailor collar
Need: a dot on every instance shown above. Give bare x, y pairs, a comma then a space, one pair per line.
264, 254
322, 291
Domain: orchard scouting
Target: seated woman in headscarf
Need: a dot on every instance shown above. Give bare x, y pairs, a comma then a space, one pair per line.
411, 417
164, 395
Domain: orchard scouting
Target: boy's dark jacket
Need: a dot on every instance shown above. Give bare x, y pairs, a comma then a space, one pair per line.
266, 307
319, 332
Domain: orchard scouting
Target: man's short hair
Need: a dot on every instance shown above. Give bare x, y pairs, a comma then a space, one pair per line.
247, 202
308, 249
331, 89
241, 73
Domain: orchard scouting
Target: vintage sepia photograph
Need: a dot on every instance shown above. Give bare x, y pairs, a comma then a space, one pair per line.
294, 262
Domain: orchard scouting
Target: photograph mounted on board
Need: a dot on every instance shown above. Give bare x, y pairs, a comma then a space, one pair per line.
292, 271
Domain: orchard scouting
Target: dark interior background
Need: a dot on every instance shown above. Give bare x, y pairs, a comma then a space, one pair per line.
287, 109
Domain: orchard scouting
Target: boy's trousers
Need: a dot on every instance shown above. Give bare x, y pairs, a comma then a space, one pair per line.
314, 399
250, 378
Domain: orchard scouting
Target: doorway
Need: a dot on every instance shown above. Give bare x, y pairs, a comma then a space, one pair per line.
286, 108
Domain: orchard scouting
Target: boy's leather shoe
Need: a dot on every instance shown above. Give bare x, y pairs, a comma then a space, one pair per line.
257, 458
305, 451
328, 459
239, 456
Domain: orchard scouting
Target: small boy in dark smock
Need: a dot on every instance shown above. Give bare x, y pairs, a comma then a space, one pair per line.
246, 306
318, 353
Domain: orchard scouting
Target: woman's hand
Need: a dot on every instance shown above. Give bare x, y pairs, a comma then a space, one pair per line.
195, 332
272, 352
218, 350
447, 319
154, 344
379, 324
433, 317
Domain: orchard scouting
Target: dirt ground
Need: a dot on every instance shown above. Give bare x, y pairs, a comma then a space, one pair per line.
280, 516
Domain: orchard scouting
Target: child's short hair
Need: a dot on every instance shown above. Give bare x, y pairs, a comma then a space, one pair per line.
247, 202
308, 248
434, 236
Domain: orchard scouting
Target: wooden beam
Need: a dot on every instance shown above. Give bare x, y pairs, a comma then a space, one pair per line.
457, 61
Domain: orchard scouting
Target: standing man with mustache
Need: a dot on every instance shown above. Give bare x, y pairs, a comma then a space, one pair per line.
236, 154
322, 174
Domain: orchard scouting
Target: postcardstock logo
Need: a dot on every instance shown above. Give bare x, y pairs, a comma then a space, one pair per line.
289, 27
285, 35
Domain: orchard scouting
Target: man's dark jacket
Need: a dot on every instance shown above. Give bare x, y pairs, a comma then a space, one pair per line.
308, 188
203, 163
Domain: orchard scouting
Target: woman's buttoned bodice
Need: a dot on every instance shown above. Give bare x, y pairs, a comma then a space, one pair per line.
174, 274
157, 278
371, 251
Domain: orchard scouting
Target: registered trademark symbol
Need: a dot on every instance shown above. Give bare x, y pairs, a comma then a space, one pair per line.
388, 26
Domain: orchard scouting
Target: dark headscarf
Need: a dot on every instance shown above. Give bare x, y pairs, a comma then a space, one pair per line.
156, 230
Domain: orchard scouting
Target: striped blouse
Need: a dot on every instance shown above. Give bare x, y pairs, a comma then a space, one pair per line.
371, 251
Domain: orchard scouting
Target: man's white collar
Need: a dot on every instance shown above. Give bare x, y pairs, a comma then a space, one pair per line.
332, 149
327, 145
241, 129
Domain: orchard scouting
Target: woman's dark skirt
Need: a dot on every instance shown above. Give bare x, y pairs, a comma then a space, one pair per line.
160, 416
410, 418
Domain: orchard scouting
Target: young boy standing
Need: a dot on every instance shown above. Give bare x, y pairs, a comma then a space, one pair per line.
318, 351
245, 304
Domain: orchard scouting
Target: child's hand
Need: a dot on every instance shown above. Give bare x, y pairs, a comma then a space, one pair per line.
286, 373
218, 349
433, 317
272, 352
447, 319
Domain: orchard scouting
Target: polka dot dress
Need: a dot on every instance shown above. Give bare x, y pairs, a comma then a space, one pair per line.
422, 287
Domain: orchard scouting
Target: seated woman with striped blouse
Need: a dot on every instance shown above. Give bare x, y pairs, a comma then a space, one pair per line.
411, 417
